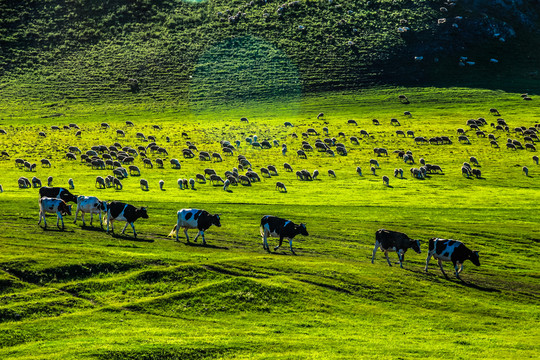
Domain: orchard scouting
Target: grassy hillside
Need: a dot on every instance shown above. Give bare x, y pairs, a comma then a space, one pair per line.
84, 294
175, 49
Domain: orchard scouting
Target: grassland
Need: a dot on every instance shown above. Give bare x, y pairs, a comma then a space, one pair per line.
82, 293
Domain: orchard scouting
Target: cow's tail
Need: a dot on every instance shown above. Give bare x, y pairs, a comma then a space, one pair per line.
173, 231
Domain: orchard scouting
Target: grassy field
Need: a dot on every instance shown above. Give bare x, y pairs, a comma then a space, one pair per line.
82, 293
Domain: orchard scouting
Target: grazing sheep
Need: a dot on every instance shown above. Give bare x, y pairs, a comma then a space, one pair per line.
374, 162
49, 181
175, 164
71, 156
144, 184
244, 119
23, 183
530, 146
400, 132
100, 182
244, 180
408, 158
396, 172
354, 140
45, 163
281, 187
129, 123
373, 169
494, 111
466, 171
464, 139
36, 183
331, 173
216, 179
264, 171
385, 180
192, 184
477, 173
71, 184
510, 146
161, 184
403, 99
288, 124
159, 163
525, 170
120, 133
117, 184
330, 152
535, 159
352, 122
315, 174
320, 116
375, 122
359, 170
394, 122
104, 125
301, 154
407, 113
473, 160
299, 175
180, 183
494, 143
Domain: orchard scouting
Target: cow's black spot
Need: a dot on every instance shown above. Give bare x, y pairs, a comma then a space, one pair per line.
446, 254
440, 247
451, 242
188, 215
197, 214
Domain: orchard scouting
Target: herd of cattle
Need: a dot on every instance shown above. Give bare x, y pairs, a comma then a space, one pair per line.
55, 200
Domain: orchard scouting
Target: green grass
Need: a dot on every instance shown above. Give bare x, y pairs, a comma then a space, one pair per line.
82, 293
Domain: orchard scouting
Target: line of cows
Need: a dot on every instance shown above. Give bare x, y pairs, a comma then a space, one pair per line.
54, 200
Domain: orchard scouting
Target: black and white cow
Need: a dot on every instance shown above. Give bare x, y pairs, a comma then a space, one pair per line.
57, 193
389, 240
451, 250
92, 205
53, 206
195, 219
119, 211
277, 227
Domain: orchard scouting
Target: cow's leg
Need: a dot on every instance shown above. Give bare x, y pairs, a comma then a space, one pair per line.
427, 261
265, 240
387, 259
197, 236
91, 218
133, 227
185, 232
401, 257
42, 215
290, 245
109, 222
440, 265
374, 251
82, 217
77, 214
460, 267
124, 229
100, 220
280, 242
58, 218
457, 270
177, 228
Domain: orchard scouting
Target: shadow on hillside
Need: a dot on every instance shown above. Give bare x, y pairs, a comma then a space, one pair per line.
93, 228
56, 229
130, 238
194, 244
478, 287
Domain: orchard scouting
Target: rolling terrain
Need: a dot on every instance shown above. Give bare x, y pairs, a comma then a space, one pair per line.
81, 293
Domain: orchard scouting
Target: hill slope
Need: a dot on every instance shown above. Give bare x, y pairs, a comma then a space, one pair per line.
84, 49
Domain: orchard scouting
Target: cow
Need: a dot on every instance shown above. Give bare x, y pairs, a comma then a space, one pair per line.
54, 206
119, 211
277, 227
389, 240
92, 205
57, 193
451, 250
195, 219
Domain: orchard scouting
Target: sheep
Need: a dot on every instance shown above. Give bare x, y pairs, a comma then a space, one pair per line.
535, 159
374, 162
473, 160
315, 174
494, 143
407, 113
510, 146
264, 171
120, 133
159, 163
373, 169
330, 152
464, 139
325, 130
525, 170
301, 154
226, 185
494, 111
320, 116
354, 140
375, 122
403, 99
466, 171
217, 157
156, 127
175, 164
396, 172
359, 170
42, 134
49, 181
161, 184
386, 180
422, 161
530, 146
71, 184
244, 180
299, 175
288, 124
400, 132
331, 173
71, 156
477, 173
144, 184
408, 158
100, 182
45, 163
180, 183
36, 183
192, 184
352, 122
394, 122
214, 178
244, 119
104, 125
23, 183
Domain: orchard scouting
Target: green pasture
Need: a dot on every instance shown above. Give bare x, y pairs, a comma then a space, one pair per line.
85, 294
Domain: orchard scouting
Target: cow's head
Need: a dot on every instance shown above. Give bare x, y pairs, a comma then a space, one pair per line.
103, 206
67, 210
415, 245
216, 220
142, 213
302, 229
475, 258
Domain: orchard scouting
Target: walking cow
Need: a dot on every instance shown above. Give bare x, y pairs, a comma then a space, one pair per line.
92, 205
451, 250
119, 211
389, 240
277, 227
54, 206
57, 193
195, 219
